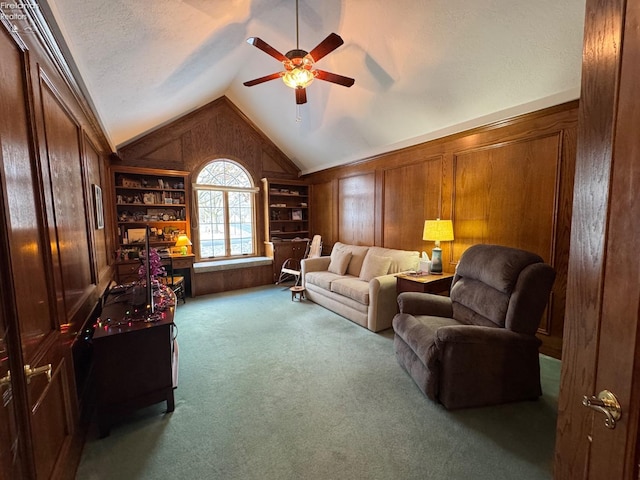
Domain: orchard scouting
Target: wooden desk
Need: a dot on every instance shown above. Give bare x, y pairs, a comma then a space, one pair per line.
184, 265
127, 270
135, 361
423, 283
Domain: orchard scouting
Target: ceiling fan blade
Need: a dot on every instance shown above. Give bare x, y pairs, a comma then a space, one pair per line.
334, 78
301, 96
266, 78
266, 48
326, 46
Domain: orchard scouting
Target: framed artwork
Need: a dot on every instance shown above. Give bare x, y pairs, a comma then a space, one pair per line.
137, 235
296, 215
98, 206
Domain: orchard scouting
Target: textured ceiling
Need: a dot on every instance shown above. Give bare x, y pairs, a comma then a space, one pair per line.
423, 68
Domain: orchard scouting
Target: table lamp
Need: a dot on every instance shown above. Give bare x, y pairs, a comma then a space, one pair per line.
438, 231
182, 242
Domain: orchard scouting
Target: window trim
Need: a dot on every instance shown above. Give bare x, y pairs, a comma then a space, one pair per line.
253, 190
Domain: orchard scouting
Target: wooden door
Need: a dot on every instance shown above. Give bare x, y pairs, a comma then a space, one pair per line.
28, 283
10, 440
602, 325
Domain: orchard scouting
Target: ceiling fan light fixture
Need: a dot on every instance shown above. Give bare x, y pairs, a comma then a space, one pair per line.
298, 77
298, 67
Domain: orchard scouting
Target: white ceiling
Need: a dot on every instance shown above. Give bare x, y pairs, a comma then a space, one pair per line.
423, 68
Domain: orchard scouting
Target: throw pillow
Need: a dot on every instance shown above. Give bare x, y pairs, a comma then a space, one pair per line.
339, 263
374, 266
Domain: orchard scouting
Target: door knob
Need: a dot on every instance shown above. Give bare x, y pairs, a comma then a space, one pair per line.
6, 379
30, 372
606, 403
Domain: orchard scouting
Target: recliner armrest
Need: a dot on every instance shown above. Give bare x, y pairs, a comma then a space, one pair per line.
490, 336
416, 303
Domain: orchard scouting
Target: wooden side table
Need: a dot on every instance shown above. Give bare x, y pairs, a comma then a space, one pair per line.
407, 282
297, 291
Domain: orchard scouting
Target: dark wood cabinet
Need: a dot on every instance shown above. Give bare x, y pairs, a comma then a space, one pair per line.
135, 361
281, 251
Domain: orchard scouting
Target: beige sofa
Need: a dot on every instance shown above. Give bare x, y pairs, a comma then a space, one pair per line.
358, 282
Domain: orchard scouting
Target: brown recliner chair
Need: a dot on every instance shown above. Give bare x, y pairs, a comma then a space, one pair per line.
478, 346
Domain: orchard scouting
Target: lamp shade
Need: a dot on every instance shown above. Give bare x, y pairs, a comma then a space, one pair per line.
438, 230
183, 242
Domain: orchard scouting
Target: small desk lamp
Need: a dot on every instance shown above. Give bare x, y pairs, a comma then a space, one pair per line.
182, 242
438, 231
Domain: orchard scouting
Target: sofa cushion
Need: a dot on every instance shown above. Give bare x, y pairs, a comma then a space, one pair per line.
374, 266
401, 260
357, 256
339, 262
322, 279
352, 288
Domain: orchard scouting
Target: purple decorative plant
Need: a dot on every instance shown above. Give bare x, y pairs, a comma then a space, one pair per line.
155, 264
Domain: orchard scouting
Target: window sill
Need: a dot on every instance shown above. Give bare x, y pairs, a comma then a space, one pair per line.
233, 264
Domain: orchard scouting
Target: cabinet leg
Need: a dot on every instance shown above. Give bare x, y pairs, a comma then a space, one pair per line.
170, 402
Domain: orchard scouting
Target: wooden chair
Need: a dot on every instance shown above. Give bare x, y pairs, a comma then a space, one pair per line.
291, 266
173, 281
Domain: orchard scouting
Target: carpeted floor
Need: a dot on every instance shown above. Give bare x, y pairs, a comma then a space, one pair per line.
275, 389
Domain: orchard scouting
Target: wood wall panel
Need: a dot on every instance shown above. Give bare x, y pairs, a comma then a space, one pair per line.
509, 183
96, 175
356, 217
68, 201
234, 279
504, 193
216, 130
412, 195
323, 219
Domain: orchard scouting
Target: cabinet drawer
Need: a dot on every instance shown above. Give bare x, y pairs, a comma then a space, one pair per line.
128, 268
182, 263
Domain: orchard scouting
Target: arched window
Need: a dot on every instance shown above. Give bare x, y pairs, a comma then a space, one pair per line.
225, 206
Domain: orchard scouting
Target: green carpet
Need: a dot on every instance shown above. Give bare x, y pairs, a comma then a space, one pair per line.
275, 389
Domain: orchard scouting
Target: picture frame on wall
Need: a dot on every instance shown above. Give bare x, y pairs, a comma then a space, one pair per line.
98, 206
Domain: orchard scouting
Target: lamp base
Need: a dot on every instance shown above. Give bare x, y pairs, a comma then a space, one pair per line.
183, 250
436, 261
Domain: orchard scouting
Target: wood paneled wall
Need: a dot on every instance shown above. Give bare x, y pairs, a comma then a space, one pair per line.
509, 183
217, 130
58, 263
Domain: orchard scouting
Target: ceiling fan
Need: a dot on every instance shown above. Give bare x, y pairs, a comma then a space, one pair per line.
299, 70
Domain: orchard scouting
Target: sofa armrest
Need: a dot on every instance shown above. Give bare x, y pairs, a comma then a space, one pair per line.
416, 303
382, 302
316, 264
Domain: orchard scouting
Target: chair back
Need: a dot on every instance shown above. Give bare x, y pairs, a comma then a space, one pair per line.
501, 286
315, 250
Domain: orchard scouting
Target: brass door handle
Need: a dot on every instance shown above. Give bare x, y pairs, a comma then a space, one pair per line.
607, 403
6, 379
30, 372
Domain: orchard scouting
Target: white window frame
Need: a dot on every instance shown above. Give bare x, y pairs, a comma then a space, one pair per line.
225, 190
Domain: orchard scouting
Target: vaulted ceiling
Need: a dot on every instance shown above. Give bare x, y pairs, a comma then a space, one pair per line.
423, 68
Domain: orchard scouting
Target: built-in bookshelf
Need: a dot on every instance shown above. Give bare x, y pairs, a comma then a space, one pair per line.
149, 197
286, 209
